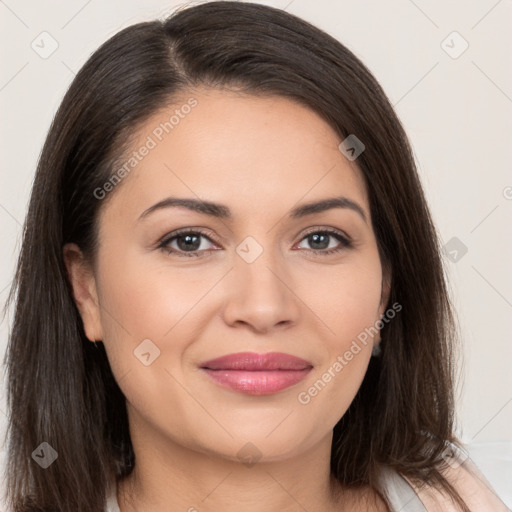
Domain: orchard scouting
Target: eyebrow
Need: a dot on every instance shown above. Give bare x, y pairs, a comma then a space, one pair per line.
222, 211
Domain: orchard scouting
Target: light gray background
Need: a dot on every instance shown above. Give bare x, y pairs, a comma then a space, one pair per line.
455, 108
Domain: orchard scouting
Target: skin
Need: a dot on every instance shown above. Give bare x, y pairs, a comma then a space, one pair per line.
261, 157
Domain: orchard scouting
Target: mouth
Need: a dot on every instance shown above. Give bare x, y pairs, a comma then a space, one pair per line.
257, 374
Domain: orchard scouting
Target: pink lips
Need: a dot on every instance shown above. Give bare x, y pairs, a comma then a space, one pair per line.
257, 374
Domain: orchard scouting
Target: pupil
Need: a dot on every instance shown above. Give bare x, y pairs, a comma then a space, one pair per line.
188, 245
314, 240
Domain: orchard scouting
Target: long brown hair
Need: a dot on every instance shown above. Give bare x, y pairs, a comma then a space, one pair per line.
60, 386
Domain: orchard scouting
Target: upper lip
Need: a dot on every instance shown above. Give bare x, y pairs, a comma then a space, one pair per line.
252, 361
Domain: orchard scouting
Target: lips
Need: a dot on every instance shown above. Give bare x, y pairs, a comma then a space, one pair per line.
252, 361
257, 374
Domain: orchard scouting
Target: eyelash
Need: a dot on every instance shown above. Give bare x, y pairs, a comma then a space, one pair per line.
345, 242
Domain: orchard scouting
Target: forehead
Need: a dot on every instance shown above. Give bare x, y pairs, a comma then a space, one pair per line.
236, 148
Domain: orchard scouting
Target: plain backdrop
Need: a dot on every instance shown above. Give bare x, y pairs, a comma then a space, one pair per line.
446, 68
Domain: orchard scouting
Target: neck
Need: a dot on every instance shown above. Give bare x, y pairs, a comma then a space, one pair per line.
169, 477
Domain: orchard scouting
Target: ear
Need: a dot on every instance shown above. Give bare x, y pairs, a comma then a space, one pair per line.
83, 284
384, 296
385, 288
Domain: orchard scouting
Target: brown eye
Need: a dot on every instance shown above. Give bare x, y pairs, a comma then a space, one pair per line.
186, 243
326, 241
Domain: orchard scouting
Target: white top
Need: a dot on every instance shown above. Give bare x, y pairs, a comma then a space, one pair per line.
404, 497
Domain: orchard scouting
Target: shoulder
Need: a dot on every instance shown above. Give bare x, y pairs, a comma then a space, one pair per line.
463, 474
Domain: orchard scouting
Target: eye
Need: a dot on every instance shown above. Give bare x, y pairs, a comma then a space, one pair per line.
326, 241
186, 243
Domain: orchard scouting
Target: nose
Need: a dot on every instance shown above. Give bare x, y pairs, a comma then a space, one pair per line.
260, 295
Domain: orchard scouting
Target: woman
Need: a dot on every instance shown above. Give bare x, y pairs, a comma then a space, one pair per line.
230, 290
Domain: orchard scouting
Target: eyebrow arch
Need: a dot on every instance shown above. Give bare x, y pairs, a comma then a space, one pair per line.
223, 212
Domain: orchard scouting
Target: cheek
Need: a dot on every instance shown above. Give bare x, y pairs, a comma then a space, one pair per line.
142, 302
329, 394
144, 298
347, 299
348, 302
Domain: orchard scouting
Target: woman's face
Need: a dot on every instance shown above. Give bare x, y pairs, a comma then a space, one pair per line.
255, 279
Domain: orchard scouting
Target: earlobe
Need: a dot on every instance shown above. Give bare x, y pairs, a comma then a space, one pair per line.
81, 279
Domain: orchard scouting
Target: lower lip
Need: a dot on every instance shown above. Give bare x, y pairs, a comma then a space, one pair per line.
257, 382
